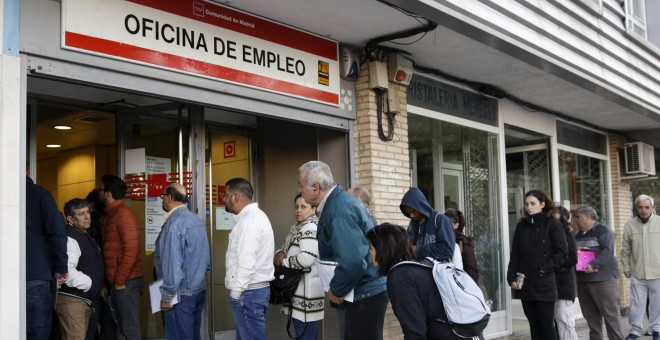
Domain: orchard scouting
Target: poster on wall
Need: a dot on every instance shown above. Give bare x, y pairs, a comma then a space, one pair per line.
206, 39
158, 170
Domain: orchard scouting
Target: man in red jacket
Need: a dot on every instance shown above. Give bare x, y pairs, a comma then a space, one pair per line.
121, 256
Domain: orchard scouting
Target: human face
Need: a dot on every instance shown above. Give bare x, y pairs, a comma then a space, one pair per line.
303, 209
533, 206
644, 209
229, 201
165, 198
413, 214
583, 222
81, 218
311, 192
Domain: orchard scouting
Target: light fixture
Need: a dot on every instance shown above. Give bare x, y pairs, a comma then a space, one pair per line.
62, 127
53, 146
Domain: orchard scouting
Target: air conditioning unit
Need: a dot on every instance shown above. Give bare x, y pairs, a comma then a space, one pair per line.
640, 158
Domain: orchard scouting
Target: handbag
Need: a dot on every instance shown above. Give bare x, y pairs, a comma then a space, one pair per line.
283, 287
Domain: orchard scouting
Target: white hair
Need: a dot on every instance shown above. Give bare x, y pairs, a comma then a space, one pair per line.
644, 198
319, 172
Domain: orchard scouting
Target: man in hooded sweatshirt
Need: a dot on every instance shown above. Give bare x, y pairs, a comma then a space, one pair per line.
430, 233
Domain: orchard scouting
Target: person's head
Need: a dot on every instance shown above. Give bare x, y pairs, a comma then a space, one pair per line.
314, 181
112, 188
238, 194
76, 213
303, 209
536, 201
96, 203
644, 205
361, 194
457, 219
564, 216
585, 217
412, 213
173, 196
388, 246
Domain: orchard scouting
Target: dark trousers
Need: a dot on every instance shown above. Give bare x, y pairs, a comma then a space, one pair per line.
127, 307
365, 318
39, 299
541, 317
599, 302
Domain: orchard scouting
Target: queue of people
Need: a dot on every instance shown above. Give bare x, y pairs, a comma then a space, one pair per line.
96, 262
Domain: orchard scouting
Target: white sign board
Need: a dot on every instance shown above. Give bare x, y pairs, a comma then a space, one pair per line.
154, 213
206, 39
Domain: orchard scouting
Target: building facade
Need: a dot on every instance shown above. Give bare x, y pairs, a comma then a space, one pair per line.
474, 102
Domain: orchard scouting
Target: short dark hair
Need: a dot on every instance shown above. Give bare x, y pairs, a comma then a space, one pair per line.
241, 186
391, 244
114, 185
74, 204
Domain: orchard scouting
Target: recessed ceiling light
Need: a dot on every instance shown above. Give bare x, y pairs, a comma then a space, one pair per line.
62, 127
53, 146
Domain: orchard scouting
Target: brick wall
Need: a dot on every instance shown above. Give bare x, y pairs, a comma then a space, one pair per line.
621, 201
382, 167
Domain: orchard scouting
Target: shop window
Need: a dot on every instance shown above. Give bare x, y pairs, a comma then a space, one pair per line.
583, 181
457, 167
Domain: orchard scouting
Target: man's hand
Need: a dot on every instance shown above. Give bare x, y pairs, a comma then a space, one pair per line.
588, 269
627, 274
279, 258
336, 299
166, 306
62, 278
120, 287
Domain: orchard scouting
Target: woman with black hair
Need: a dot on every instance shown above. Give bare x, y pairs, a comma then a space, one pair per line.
539, 247
412, 290
465, 243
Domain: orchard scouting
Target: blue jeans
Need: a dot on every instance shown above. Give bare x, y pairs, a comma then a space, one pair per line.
311, 329
184, 320
250, 313
39, 300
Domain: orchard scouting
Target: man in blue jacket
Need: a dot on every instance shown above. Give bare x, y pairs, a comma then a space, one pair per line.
430, 232
45, 255
342, 229
182, 261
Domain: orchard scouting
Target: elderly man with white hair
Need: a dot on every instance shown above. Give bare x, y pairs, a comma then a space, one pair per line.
640, 257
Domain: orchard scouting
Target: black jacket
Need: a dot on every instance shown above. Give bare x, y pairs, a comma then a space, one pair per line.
417, 303
90, 263
565, 274
539, 247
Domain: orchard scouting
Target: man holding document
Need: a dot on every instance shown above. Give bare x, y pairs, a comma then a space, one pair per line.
342, 229
182, 261
597, 280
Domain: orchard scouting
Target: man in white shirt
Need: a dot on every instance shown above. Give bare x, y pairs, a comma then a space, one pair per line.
251, 240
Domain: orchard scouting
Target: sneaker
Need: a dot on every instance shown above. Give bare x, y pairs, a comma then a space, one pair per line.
648, 332
656, 336
632, 337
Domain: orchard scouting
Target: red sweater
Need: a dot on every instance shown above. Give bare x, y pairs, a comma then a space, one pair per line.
121, 244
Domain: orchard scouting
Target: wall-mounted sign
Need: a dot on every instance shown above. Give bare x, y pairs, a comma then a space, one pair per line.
208, 40
436, 96
581, 138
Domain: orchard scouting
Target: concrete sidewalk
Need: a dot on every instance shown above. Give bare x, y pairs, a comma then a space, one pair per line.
580, 327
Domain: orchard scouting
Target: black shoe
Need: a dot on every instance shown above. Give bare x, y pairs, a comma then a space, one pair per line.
632, 337
648, 332
656, 336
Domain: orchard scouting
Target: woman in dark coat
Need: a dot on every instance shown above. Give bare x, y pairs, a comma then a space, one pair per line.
465, 243
413, 293
539, 247
565, 276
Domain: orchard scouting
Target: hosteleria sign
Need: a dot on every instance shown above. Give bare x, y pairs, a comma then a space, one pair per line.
208, 40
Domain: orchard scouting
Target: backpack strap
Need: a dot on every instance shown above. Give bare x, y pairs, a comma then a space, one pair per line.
414, 263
